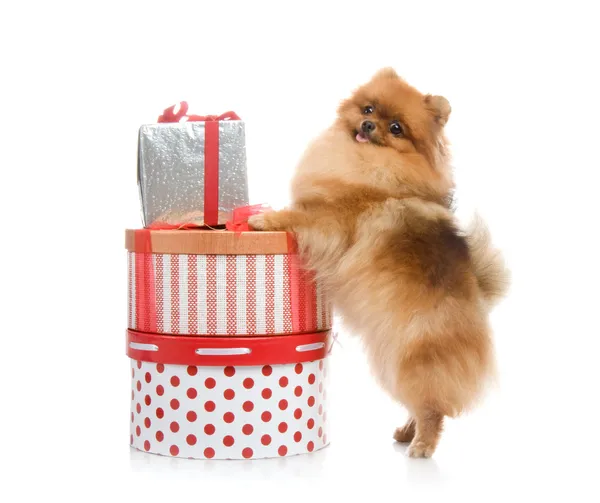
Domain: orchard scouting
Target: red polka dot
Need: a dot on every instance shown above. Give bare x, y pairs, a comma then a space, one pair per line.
247, 453
139, 386
160, 436
132, 373
228, 441
191, 439
282, 451
192, 393
132, 395
132, 417
147, 400
209, 429
174, 404
138, 408
297, 436
320, 409
266, 393
266, 370
160, 391
174, 426
282, 427
160, 413
311, 401
283, 382
191, 416
298, 368
229, 394
247, 429
310, 446
321, 365
265, 439
310, 424
210, 383
298, 413
192, 370
311, 379
175, 381
266, 416
146, 445
147, 377
138, 431
248, 383
298, 391
324, 439
229, 371
229, 417
320, 433
209, 406
248, 406
160, 368
174, 450
283, 404
209, 453
147, 422
131, 439
139, 364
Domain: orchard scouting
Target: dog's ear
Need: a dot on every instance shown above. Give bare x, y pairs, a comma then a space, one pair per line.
439, 107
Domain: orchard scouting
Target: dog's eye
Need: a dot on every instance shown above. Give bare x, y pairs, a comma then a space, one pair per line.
368, 110
396, 129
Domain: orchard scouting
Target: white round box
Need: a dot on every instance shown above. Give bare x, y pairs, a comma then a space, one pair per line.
228, 398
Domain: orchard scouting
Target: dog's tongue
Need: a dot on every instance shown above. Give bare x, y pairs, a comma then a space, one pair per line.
361, 138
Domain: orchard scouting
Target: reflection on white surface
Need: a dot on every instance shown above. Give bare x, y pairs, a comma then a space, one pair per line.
304, 465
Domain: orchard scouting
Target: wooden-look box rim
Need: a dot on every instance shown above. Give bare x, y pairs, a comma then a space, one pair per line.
212, 242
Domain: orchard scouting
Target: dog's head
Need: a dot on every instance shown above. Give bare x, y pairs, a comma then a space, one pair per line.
389, 113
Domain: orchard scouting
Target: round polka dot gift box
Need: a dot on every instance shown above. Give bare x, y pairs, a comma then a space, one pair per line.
228, 339
228, 398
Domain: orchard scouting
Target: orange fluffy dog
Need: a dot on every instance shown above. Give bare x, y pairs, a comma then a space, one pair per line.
371, 211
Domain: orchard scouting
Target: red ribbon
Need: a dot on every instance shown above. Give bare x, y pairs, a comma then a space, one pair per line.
239, 219
211, 154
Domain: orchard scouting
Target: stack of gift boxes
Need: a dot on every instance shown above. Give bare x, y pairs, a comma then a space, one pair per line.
228, 336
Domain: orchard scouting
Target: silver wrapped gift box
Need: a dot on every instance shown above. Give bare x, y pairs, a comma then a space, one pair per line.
192, 172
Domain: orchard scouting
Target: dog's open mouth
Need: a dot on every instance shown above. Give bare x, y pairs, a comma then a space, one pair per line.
361, 138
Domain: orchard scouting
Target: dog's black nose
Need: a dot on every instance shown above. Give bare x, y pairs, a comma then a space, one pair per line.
367, 127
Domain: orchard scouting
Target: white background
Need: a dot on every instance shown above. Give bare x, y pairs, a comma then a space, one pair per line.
77, 81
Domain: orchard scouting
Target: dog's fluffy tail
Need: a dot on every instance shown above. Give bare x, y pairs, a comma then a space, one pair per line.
492, 275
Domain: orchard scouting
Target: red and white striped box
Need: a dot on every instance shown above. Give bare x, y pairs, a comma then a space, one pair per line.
196, 282
228, 397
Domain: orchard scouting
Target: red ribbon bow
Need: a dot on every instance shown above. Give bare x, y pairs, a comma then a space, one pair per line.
239, 220
169, 115
211, 154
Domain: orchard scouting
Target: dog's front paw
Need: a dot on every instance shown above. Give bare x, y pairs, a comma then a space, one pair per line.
257, 222
420, 450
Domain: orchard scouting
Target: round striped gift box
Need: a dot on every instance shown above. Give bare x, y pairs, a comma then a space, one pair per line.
221, 283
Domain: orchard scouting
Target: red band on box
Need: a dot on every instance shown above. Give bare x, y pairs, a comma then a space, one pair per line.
144, 281
211, 173
223, 351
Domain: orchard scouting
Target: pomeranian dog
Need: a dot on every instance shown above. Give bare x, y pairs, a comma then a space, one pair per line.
371, 209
